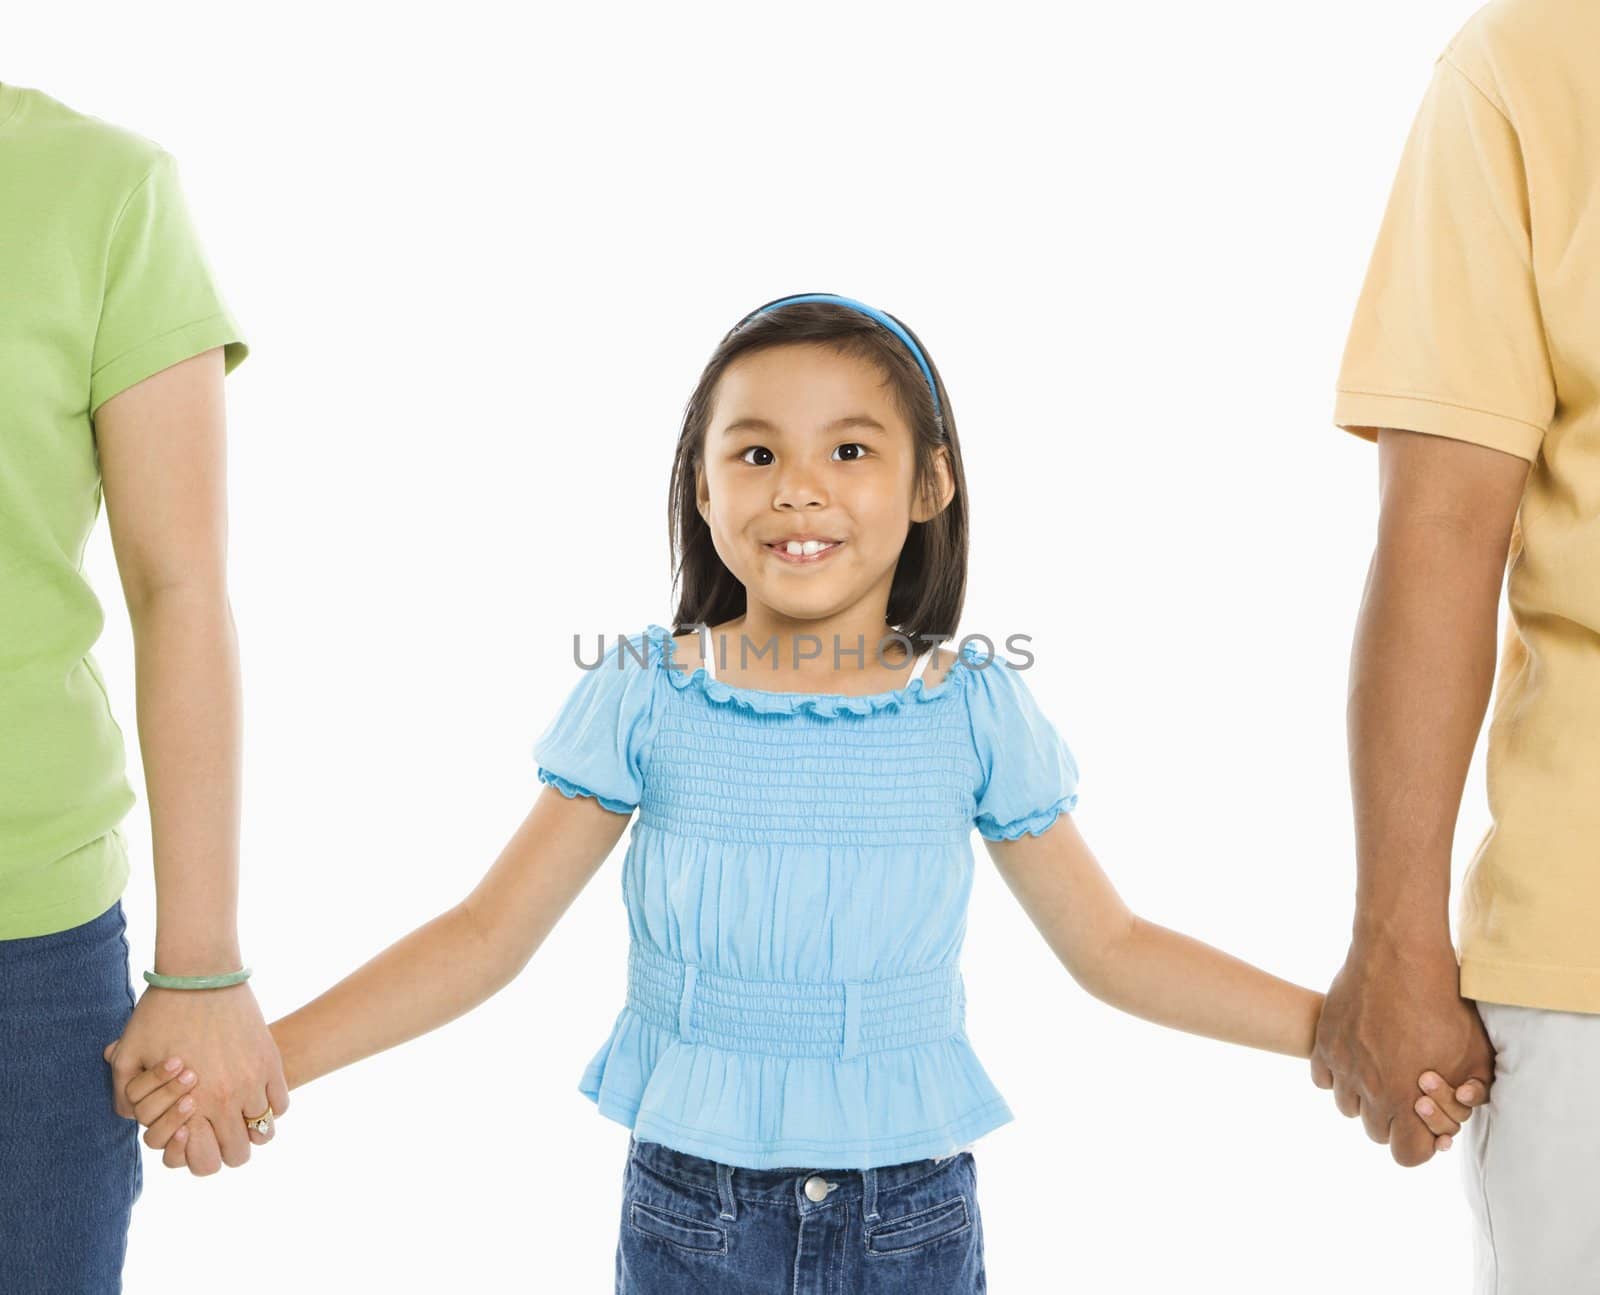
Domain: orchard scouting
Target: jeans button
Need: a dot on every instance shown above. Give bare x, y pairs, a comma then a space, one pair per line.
817, 1187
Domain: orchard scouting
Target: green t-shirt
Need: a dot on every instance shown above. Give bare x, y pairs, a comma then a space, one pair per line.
102, 283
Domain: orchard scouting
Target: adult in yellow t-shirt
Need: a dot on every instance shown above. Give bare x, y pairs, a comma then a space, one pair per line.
113, 346
1474, 362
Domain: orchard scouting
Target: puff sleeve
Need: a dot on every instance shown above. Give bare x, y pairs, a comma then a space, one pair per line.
595, 746
1029, 776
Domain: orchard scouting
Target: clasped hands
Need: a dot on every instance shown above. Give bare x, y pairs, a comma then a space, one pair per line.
193, 1066
1394, 1021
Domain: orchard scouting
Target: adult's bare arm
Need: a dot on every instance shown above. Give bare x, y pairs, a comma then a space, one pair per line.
1421, 675
162, 457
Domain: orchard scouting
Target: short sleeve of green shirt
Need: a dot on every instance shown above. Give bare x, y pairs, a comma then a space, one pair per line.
161, 304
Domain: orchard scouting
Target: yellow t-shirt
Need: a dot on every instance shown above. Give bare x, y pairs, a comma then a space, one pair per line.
1480, 320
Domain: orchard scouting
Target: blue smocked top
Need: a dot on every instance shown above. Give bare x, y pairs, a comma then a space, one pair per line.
796, 886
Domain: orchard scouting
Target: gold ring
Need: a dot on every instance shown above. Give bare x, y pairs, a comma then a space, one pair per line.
262, 1123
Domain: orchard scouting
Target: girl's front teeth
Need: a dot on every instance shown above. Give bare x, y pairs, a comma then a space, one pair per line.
798, 548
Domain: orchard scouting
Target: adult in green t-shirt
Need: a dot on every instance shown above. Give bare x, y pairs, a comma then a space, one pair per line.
113, 346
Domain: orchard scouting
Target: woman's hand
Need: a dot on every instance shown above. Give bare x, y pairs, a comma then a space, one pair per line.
222, 1037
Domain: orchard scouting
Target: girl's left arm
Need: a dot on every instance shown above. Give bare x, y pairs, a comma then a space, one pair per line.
1140, 967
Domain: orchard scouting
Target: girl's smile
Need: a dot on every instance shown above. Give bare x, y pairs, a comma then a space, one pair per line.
803, 552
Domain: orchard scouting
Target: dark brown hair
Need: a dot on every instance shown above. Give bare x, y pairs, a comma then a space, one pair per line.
930, 580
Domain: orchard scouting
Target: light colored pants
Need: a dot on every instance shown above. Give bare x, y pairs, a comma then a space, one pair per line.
1533, 1154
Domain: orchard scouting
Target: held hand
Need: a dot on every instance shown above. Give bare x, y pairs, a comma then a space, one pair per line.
1390, 1014
1443, 1109
163, 1100
222, 1035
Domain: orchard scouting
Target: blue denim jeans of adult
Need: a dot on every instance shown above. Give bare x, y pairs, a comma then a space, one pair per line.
692, 1226
69, 1164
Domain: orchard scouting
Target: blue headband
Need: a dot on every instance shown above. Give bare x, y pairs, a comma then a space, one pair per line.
888, 321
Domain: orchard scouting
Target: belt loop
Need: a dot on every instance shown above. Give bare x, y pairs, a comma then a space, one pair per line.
686, 1000
852, 1020
725, 1190
869, 1194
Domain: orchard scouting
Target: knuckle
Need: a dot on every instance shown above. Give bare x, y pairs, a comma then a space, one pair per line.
1415, 1146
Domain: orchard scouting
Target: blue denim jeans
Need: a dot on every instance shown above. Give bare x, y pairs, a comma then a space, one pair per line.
69, 1164
695, 1227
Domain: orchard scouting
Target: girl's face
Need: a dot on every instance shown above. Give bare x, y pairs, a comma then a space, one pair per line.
805, 442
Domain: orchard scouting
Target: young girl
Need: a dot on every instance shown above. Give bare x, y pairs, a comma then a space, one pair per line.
791, 1056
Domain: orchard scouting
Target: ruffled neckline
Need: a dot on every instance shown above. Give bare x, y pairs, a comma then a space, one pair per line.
812, 703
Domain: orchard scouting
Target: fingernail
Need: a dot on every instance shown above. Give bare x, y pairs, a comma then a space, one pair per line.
181, 1134
187, 1077
1429, 1083
1425, 1107
1445, 1143
173, 1063
186, 1105
1463, 1094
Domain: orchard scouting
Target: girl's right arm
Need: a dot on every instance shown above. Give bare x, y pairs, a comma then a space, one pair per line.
441, 970
452, 963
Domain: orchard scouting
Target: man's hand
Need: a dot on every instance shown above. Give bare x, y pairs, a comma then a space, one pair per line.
220, 1033
1390, 1014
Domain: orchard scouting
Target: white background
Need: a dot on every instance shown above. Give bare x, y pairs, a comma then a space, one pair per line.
481, 253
